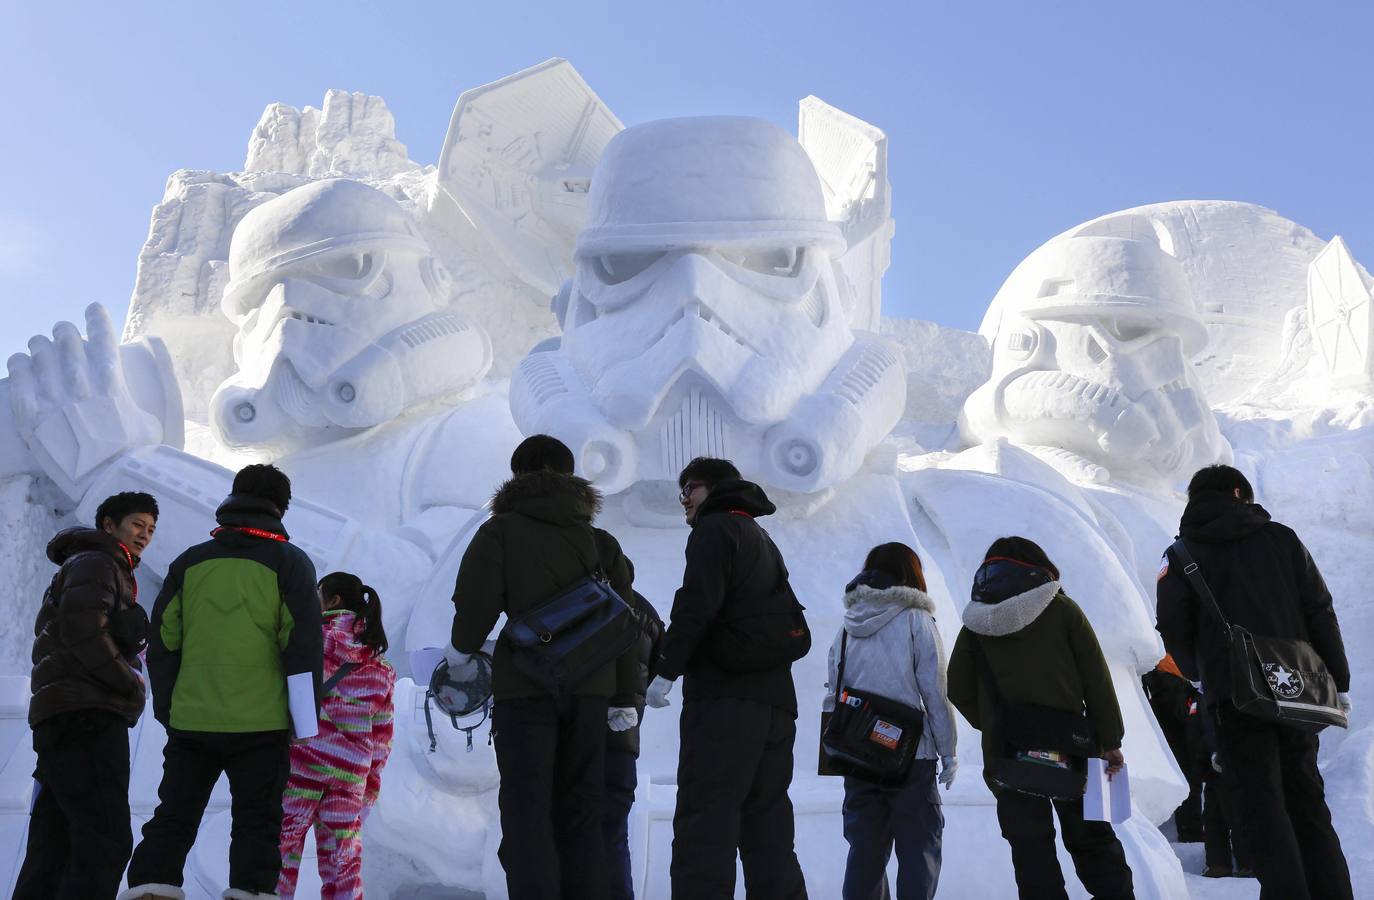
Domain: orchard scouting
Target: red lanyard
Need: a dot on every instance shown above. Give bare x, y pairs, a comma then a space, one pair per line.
251, 532
129, 558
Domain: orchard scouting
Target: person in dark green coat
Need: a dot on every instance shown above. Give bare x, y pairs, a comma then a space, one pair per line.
1041, 649
550, 750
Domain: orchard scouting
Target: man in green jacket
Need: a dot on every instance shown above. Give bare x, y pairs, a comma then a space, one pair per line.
550, 750
1041, 649
235, 632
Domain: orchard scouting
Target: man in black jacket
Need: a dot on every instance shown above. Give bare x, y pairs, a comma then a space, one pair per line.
738, 721
87, 693
1263, 579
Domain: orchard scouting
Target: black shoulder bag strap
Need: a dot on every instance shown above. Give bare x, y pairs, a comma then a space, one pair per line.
1199, 584
839, 675
339, 674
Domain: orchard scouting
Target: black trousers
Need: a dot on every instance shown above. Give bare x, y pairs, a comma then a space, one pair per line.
257, 764
621, 781
1098, 858
1281, 805
733, 771
1222, 836
551, 754
79, 832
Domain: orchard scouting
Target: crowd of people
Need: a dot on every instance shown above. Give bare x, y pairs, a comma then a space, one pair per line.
263, 672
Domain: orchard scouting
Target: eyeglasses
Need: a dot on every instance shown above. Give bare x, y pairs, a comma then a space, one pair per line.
687, 489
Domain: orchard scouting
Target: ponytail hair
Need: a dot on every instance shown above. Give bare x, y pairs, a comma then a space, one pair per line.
365, 605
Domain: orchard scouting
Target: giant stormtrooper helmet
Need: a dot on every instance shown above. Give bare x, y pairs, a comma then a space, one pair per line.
1091, 338
704, 318
342, 318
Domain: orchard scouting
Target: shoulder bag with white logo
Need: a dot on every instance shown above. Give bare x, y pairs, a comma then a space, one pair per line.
1280, 679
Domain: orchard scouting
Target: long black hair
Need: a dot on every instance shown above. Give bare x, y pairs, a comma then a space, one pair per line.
365, 605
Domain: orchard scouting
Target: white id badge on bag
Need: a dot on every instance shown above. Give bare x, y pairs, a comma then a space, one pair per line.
300, 693
1106, 800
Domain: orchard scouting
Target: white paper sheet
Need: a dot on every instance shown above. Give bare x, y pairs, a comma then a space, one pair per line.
1107, 800
300, 691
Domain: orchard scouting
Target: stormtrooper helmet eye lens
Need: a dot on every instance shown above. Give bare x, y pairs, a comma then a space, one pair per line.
780, 262
613, 268
352, 266
1126, 330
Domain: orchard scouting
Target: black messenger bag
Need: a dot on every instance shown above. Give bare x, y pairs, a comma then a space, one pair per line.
571, 635
869, 736
1024, 735
1283, 680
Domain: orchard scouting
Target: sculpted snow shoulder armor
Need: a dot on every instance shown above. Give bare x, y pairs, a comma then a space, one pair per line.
1091, 340
704, 317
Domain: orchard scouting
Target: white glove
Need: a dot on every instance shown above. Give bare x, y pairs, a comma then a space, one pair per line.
949, 767
459, 663
1216, 762
1344, 701
622, 718
658, 692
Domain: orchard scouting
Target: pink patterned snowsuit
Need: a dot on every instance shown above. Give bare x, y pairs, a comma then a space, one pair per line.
336, 775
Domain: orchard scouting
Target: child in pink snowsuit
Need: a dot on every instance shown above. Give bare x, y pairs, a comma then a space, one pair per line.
336, 775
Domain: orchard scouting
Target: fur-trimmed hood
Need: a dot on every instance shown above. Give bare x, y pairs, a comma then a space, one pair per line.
868, 609
548, 496
1010, 615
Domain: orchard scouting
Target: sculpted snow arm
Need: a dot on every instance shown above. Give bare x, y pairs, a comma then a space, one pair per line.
99, 418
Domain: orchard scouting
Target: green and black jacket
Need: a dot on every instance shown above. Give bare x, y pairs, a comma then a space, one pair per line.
236, 616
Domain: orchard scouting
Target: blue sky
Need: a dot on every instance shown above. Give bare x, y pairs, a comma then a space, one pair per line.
1008, 122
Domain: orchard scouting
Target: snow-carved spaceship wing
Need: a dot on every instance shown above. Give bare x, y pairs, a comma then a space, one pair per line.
517, 164
850, 156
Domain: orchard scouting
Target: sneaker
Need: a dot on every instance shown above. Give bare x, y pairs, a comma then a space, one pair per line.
1217, 872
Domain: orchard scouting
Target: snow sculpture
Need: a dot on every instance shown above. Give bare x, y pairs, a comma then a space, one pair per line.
1091, 338
340, 309
705, 318
517, 162
1339, 314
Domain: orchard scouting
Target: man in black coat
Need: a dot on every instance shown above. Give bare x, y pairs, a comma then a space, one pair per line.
738, 720
1263, 579
87, 693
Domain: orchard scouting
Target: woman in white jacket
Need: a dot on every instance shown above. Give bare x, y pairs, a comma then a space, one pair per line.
894, 649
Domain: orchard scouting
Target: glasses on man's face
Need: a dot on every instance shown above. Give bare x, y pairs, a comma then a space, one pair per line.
687, 489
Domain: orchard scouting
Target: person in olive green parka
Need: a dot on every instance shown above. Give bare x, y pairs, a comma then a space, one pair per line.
1041, 649
550, 750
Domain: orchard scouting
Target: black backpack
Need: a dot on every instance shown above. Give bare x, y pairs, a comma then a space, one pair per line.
762, 633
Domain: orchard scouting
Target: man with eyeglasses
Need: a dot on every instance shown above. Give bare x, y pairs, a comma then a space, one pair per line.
739, 713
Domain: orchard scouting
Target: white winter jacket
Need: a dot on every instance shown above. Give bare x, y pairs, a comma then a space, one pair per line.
895, 650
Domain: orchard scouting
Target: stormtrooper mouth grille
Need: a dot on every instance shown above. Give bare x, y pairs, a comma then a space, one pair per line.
543, 377
866, 372
695, 429
429, 329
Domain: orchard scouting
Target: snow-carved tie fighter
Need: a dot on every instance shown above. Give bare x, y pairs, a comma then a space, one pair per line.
705, 317
1091, 337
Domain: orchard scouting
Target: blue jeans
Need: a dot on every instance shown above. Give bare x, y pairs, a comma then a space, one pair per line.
876, 818
619, 796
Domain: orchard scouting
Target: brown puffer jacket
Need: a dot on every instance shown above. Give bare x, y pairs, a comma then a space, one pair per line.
89, 631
